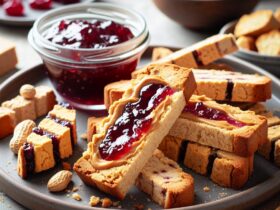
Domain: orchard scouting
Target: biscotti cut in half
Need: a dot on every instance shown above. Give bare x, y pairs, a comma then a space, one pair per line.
232, 86
269, 43
202, 53
7, 121
161, 178
220, 126
224, 168
133, 130
165, 182
65, 115
256, 23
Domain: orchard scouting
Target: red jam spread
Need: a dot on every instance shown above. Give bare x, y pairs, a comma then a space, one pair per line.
201, 110
85, 85
40, 4
134, 122
14, 7
94, 34
28, 152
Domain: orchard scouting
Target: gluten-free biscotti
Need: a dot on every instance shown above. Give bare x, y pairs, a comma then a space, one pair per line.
161, 178
220, 126
113, 166
203, 52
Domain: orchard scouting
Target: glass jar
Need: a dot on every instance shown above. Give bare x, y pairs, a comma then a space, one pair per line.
80, 74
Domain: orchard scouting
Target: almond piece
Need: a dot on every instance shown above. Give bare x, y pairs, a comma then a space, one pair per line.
22, 130
59, 181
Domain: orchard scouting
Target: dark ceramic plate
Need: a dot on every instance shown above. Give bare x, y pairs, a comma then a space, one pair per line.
33, 192
269, 63
30, 14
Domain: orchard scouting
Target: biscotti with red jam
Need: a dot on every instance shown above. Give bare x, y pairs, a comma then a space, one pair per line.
161, 178
165, 182
203, 52
220, 126
115, 158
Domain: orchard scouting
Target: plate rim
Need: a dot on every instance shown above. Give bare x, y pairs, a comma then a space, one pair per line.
271, 185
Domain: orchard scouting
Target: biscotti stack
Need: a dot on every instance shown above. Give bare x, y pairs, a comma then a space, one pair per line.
50, 142
259, 31
30, 104
130, 135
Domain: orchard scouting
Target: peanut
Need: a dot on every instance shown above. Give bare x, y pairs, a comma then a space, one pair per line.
27, 91
22, 130
59, 181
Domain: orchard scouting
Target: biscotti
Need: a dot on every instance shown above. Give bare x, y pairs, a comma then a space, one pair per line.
203, 52
269, 43
224, 168
161, 178
256, 23
246, 43
7, 121
114, 170
160, 52
232, 86
44, 100
8, 57
165, 182
220, 126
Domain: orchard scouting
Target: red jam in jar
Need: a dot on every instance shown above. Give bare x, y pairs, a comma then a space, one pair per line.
201, 110
134, 122
85, 86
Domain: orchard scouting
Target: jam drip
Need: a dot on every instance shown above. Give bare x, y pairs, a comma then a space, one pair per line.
88, 34
28, 151
134, 122
64, 123
54, 139
201, 110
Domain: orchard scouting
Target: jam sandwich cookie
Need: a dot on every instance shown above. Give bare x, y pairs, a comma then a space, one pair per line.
115, 158
50, 142
161, 178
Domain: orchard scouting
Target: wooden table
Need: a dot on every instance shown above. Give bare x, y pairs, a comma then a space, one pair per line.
163, 32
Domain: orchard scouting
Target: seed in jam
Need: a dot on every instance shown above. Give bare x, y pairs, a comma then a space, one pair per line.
201, 110
28, 151
40, 4
14, 7
54, 139
134, 122
94, 34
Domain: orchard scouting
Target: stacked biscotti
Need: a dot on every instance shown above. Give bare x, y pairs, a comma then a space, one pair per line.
48, 143
128, 138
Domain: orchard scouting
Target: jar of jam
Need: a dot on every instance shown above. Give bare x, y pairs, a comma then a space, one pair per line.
87, 46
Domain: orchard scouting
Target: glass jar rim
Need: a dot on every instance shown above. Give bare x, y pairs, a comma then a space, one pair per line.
51, 50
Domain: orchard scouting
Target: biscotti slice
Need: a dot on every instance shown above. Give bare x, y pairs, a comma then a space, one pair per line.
269, 43
24, 109
7, 121
35, 155
246, 43
44, 100
256, 23
165, 182
61, 133
65, 115
115, 158
232, 86
93, 126
220, 126
160, 52
8, 57
203, 52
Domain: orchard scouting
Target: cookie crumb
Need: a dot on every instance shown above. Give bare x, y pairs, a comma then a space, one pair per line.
106, 202
76, 196
139, 206
75, 189
84, 136
94, 200
66, 166
206, 189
